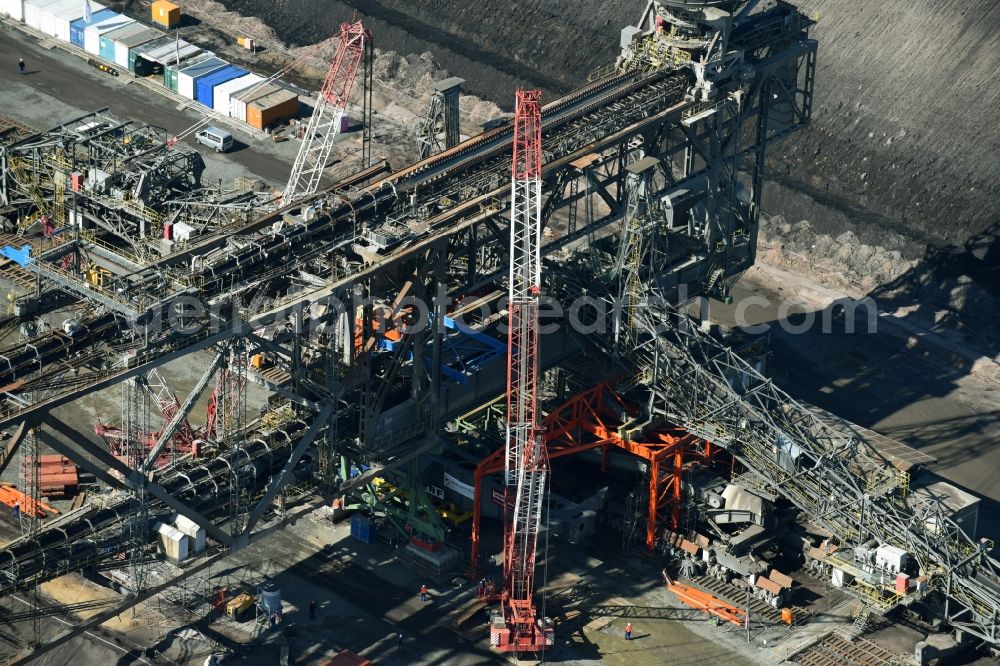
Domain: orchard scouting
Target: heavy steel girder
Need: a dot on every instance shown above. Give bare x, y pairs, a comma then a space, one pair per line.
278, 481
13, 444
99, 462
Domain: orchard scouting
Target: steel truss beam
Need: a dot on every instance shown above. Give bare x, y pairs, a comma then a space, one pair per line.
98, 462
279, 481
846, 486
621, 130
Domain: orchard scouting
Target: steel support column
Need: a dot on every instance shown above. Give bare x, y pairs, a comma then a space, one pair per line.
278, 482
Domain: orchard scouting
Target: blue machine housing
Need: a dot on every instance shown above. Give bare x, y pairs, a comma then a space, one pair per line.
463, 351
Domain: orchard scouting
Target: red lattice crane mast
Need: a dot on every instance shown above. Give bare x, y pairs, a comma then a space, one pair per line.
515, 628
330, 109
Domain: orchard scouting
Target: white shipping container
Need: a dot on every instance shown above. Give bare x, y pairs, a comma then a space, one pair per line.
13, 9
186, 77
192, 530
223, 91
48, 14
173, 542
92, 34
122, 49
33, 12
238, 100
68, 15
238, 109
177, 546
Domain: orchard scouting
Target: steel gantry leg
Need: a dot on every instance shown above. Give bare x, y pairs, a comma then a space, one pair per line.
98, 462
293, 459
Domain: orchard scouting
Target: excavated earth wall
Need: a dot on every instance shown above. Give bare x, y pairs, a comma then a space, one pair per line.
903, 153
905, 136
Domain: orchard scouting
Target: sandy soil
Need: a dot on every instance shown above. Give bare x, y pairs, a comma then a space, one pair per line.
401, 94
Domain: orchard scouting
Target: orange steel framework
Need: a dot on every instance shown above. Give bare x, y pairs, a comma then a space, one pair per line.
593, 420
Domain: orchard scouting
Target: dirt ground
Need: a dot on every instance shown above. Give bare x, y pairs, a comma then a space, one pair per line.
402, 83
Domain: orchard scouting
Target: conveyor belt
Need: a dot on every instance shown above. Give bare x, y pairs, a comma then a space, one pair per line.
272, 253
98, 535
844, 486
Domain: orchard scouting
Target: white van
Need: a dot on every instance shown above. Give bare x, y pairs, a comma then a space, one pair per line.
213, 137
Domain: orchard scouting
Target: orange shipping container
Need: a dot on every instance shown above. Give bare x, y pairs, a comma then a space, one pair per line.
166, 13
269, 109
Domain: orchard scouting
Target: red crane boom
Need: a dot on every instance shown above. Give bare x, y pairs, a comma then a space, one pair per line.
330, 108
517, 629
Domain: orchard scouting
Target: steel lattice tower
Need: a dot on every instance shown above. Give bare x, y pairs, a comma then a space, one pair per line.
331, 106
232, 410
28, 516
135, 427
525, 466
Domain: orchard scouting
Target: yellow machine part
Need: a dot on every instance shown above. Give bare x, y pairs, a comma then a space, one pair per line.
238, 604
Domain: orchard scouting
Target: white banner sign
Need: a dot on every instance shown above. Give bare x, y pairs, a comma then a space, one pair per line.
459, 487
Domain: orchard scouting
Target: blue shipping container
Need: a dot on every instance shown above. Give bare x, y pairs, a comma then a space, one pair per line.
77, 27
206, 85
363, 529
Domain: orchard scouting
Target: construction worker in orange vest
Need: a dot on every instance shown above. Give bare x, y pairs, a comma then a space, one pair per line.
423, 593
628, 631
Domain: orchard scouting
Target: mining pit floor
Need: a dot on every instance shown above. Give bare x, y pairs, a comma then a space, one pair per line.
911, 390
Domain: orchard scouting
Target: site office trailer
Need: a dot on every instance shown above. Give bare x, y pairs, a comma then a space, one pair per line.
156, 61
141, 66
56, 18
93, 34
63, 20
13, 9
77, 27
48, 16
238, 101
223, 92
33, 12
205, 88
171, 72
269, 109
188, 77
128, 37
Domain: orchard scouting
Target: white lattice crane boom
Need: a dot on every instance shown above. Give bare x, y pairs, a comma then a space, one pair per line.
331, 106
525, 464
